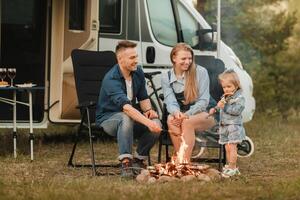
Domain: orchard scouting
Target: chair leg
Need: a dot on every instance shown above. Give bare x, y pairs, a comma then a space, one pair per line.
91, 143
224, 154
70, 162
167, 153
159, 149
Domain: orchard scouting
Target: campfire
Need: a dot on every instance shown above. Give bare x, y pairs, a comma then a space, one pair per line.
171, 171
178, 169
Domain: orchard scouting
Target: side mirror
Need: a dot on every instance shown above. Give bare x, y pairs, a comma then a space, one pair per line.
207, 39
214, 27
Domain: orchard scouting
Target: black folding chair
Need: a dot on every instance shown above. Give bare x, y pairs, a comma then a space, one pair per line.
89, 70
214, 68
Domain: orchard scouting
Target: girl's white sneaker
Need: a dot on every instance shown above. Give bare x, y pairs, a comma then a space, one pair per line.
227, 172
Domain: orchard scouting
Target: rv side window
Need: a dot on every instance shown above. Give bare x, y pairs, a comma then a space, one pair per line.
76, 15
189, 26
110, 16
162, 21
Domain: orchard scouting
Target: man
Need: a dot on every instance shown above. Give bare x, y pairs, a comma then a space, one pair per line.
121, 87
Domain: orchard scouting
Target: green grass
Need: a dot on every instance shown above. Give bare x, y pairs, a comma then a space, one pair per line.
272, 172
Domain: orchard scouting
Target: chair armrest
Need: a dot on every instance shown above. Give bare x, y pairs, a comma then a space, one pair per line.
88, 104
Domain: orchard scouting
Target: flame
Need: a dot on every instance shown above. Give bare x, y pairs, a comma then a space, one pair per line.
181, 157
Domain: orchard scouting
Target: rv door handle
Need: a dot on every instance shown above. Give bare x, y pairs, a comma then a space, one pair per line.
150, 54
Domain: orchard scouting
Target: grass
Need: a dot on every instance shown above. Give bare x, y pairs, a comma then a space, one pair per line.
272, 172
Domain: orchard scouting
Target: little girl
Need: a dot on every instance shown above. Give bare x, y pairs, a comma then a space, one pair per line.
231, 128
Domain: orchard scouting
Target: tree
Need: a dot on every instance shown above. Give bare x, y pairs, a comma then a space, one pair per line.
260, 33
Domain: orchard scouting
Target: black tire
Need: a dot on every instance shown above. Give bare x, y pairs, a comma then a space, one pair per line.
246, 148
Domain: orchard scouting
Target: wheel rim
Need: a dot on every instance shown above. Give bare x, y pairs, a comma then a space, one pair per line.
246, 148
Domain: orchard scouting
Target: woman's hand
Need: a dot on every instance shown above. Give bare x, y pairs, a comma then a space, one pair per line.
178, 117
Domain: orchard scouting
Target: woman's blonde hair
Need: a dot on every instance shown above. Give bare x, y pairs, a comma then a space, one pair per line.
232, 76
191, 86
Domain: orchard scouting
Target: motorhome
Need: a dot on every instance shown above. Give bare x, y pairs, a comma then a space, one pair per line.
37, 38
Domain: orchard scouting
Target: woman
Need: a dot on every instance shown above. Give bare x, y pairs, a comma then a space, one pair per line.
186, 94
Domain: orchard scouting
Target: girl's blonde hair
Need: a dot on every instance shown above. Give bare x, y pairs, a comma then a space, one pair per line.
191, 86
232, 76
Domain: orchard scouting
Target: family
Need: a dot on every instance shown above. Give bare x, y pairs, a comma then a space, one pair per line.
186, 95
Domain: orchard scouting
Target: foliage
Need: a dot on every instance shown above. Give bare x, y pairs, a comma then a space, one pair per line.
261, 33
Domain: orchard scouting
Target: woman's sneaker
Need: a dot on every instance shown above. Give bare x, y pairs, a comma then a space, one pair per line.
228, 172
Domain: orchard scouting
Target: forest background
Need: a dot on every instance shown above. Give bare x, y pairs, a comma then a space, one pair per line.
265, 36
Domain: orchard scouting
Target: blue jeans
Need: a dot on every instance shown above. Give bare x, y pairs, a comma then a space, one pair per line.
125, 129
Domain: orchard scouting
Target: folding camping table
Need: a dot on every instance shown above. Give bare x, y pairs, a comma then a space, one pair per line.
14, 103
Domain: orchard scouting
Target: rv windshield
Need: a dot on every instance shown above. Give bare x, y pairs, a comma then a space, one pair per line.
171, 24
162, 22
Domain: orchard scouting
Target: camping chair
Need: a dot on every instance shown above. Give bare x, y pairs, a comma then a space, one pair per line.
214, 68
89, 70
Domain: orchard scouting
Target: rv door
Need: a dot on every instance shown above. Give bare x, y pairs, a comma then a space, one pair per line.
78, 28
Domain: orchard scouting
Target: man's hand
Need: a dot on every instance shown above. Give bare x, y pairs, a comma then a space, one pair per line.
154, 127
151, 114
212, 111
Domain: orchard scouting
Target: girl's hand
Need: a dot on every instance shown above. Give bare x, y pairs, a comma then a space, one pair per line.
221, 104
228, 94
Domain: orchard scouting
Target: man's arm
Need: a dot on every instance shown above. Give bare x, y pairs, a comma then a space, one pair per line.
147, 109
139, 117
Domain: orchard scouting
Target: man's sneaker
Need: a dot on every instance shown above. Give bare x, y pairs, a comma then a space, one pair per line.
126, 168
230, 172
138, 165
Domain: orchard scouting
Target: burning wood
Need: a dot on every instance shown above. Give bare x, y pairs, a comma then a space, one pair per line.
170, 172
